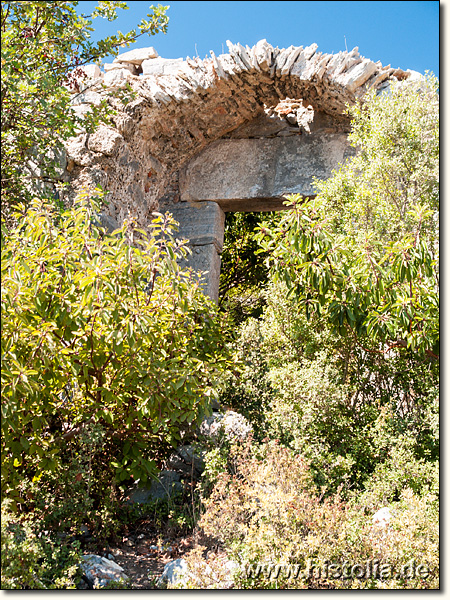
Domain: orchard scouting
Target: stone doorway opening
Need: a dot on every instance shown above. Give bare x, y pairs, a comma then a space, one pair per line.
244, 273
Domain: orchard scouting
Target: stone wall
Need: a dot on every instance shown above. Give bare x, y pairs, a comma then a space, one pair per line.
238, 130
179, 107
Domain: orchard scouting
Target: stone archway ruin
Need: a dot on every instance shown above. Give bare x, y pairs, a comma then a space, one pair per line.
234, 132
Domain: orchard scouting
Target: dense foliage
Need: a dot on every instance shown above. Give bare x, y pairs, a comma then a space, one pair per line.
33, 561
97, 330
340, 375
111, 354
276, 524
243, 272
348, 412
364, 252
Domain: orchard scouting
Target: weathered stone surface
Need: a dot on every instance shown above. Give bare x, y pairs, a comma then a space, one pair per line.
107, 222
206, 260
357, 75
77, 151
202, 223
263, 54
186, 460
115, 66
174, 572
136, 56
91, 71
105, 140
184, 111
83, 77
87, 97
117, 79
162, 66
382, 517
251, 174
100, 571
232, 425
263, 126
290, 60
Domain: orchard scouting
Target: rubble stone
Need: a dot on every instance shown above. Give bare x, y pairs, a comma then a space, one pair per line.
174, 572
136, 56
232, 425
167, 484
382, 517
186, 460
117, 79
100, 571
115, 66
162, 66
105, 140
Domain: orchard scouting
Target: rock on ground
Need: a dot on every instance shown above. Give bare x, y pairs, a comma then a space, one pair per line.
174, 572
232, 425
167, 484
100, 571
382, 517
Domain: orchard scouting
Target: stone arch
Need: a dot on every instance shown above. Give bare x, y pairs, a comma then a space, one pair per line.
187, 122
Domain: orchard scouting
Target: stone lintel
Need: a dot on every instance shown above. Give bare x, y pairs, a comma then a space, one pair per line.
253, 204
256, 174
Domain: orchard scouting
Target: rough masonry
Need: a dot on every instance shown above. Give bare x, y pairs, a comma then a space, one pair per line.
234, 132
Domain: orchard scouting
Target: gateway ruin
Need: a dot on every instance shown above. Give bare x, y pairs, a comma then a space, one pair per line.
234, 132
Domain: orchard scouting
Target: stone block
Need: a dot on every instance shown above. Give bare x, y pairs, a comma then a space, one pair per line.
136, 56
161, 66
101, 571
207, 260
174, 572
105, 140
87, 97
167, 484
186, 460
232, 425
77, 151
201, 223
83, 77
115, 66
357, 75
117, 79
255, 174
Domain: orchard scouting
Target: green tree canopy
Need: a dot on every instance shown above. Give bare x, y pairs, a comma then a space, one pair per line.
364, 252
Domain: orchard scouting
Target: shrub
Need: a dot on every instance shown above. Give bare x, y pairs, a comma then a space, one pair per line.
247, 389
401, 470
342, 408
270, 513
32, 559
103, 331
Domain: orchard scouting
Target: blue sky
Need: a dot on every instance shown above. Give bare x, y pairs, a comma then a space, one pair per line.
403, 34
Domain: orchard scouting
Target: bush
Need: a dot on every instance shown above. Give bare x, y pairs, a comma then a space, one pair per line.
401, 470
340, 407
104, 335
33, 559
247, 389
271, 513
